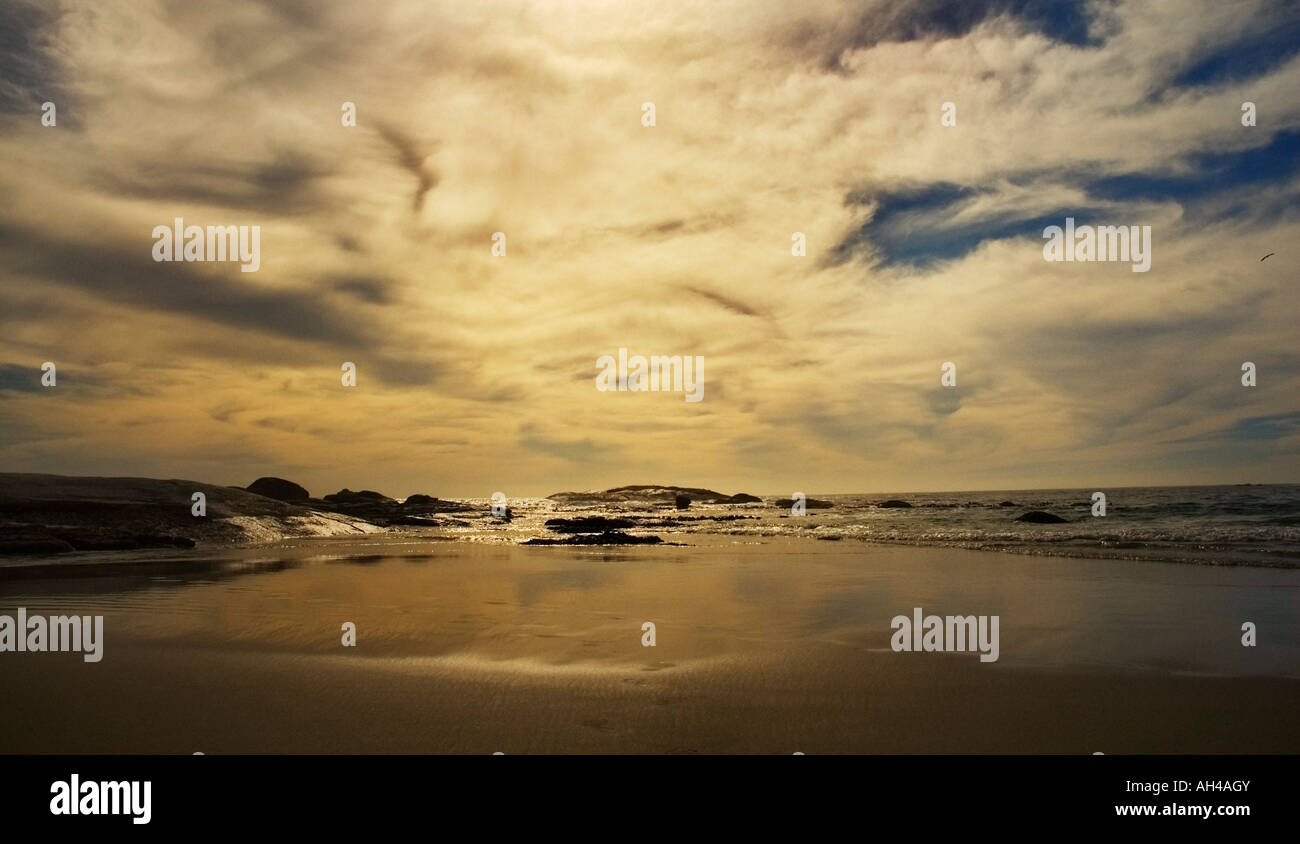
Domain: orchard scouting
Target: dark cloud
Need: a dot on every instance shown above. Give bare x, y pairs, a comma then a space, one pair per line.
30, 73
1253, 428
20, 379
411, 155
134, 278
287, 184
733, 305
371, 290
578, 451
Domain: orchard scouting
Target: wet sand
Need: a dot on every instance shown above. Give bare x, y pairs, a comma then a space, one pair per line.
771, 646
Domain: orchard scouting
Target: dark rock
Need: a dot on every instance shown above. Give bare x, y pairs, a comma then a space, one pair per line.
34, 544
811, 504
652, 493
1038, 517
429, 504
59, 513
279, 489
608, 538
672, 521
110, 541
894, 503
588, 524
411, 521
682, 502
365, 496
1008, 504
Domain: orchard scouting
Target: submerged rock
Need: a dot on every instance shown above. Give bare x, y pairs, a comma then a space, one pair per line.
895, 503
1041, 518
588, 524
608, 538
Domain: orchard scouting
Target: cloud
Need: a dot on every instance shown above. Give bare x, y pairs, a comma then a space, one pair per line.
822, 372
413, 157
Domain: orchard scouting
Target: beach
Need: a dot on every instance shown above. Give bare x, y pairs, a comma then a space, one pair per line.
762, 645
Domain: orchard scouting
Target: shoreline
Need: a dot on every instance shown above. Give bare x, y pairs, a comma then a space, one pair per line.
213, 556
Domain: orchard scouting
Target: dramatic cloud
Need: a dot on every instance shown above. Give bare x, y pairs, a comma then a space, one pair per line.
476, 373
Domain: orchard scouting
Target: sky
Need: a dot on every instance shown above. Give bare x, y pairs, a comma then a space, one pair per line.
476, 372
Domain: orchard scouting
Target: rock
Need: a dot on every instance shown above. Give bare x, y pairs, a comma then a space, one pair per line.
365, 496
652, 493
811, 504
674, 521
1008, 504
608, 538
894, 503
429, 504
279, 489
682, 502
379, 509
1038, 517
588, 524
33, 544
56, 513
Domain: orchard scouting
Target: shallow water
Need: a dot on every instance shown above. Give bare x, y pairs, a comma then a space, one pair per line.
718, 598
763, 645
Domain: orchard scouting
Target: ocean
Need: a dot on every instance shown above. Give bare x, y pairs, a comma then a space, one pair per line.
1257, 525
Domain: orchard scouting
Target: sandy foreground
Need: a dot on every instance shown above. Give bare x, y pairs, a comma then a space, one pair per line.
762, 646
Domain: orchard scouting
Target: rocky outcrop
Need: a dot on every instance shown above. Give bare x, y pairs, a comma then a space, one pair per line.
810, 503
279, 489
653, 494
346, 496
379, 509
51, 514
894, 503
